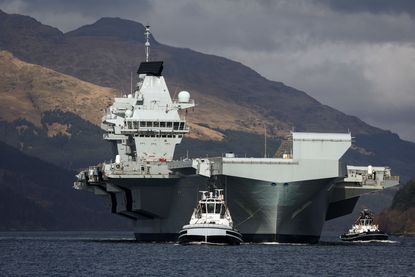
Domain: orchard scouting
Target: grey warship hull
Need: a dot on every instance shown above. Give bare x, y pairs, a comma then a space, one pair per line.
290, 212
262, 211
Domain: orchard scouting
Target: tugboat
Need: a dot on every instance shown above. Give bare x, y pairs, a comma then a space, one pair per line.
211, 222
364, 229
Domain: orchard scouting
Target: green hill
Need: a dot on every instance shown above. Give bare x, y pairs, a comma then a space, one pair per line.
36, 195
400, 217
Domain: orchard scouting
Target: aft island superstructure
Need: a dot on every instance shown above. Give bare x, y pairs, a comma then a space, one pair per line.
286, 198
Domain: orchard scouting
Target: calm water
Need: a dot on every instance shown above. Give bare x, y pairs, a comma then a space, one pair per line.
116, 254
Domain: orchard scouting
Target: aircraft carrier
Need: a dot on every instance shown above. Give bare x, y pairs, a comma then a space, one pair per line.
286, 198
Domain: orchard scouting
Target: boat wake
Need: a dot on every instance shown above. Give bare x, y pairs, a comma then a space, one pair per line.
375, 241
275, 243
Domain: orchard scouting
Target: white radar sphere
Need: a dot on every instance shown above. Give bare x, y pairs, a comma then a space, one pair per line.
128, 113
184, 96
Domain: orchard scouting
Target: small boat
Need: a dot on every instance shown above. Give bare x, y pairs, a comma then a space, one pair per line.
364, 229
211, 222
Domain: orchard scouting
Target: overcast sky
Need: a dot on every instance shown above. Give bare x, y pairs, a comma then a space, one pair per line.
357, 56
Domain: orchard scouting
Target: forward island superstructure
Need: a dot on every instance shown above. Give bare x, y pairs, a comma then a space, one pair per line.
286, 198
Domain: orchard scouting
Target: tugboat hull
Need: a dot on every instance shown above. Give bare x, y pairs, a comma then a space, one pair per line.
208, 234
364, 236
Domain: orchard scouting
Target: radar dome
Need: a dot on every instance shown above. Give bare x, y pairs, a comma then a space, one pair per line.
184, 96
370, 169
128, 113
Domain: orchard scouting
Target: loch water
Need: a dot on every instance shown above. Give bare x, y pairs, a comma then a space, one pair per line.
118, 254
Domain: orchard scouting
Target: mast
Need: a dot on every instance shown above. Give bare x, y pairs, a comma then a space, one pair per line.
147, 44
265, 140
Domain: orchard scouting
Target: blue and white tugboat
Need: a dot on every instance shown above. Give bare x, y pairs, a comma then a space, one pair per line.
364, 229
211, 222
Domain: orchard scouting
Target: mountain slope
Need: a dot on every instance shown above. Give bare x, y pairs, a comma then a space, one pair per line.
50, 115
38, 195
115, 55
27, 90
400, 217
106, 53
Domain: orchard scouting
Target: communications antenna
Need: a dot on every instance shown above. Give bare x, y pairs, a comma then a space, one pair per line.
147, 44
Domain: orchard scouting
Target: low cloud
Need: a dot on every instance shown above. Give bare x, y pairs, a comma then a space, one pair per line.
374, 82
371, 6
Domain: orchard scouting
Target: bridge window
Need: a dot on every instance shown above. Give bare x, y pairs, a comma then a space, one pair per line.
142, 124
211, 208
149, 124
169, 124
176, 126
156, 124
135, 124
203, 208
129, 124
162, 124
181, 125
218, 208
